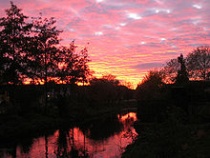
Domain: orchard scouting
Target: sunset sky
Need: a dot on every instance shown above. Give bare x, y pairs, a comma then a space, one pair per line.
126, 37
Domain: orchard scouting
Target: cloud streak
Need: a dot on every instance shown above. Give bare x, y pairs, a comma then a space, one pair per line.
127, 38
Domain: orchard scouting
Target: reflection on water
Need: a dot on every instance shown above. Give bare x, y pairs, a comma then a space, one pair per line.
104, 138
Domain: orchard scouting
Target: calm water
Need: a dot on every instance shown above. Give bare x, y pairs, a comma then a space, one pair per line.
106, 138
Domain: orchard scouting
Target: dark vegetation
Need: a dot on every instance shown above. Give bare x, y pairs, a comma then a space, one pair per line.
173, 103
174, 118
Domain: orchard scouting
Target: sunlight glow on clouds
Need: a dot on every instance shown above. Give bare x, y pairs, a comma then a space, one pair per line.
163, 39
99, 33
99, 1
163, 11
134, 16
197, 6
130, 37
143, 42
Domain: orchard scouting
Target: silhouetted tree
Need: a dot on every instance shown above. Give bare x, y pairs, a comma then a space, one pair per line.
198, 63
151, 95
182, 75
2, 63
44, 53
67, 63
150, 87
104, 90
170, 71
30, 51
14, 37
82, 67
111, 79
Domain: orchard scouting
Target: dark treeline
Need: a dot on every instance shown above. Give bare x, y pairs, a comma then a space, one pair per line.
182, 81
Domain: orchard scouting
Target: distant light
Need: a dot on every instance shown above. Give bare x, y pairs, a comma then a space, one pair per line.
197, 6
99, 1
143, 42
134, 16
157, 11
168, 11
99, 33
163, 39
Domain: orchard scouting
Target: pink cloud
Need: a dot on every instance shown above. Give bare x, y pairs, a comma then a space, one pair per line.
123, 34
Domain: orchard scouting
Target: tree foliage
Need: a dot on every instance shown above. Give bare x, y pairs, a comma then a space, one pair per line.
83, 67
66, 63
44, 51
104, 89
196, 66
198, 63
170, 71
150, 86
31, 51
14, 37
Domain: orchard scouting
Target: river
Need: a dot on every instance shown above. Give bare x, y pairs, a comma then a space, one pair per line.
106, 138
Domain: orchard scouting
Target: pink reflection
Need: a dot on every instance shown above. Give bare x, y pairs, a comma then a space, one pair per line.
73, 142
130, 115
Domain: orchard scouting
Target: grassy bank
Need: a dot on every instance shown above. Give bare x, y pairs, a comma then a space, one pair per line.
17, 127
177, 136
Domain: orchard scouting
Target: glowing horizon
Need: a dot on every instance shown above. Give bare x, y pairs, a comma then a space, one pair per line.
126, 38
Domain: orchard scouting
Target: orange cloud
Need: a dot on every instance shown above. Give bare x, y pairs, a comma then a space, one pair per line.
125, 36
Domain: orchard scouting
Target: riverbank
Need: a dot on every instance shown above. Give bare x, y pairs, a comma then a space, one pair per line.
164, 141
97, 138
15, 127
177, 136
